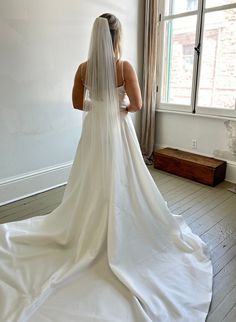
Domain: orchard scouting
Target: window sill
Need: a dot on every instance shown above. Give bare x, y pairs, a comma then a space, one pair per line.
196, 114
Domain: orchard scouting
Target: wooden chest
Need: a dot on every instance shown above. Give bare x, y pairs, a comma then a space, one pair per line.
196, 167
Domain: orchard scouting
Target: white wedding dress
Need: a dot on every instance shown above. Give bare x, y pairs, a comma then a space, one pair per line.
91, 260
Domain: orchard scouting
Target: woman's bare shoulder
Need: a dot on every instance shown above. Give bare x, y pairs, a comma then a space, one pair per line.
126, 63
82, 69
129, 71
84, 63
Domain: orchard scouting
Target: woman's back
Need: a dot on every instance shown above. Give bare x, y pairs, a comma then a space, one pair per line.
126, 77
119, 72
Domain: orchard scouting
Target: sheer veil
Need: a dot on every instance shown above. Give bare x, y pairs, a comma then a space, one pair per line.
101, 116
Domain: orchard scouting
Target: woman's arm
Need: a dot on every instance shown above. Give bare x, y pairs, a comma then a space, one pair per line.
78, 90
132, 88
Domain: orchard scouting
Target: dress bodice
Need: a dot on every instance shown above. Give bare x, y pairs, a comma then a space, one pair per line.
123, 97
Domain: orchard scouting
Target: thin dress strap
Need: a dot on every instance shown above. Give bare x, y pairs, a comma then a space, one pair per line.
81, 75
122, 71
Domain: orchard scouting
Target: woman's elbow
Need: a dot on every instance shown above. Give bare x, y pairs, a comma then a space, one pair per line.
136, 105
76, 104
76, 107
139, 105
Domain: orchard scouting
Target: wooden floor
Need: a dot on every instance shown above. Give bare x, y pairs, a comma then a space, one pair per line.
209, 211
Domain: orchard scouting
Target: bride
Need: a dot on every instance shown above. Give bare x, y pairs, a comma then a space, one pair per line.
111, 251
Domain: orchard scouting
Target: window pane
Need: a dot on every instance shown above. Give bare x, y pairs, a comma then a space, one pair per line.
179, 41
217, 86
215, 3
177, 6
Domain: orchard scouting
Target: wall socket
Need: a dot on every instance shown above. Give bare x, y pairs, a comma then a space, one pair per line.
194, 144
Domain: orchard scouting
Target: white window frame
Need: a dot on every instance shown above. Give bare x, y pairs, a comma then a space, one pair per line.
193, 108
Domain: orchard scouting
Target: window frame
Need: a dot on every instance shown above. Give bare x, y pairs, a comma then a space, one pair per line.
193, 108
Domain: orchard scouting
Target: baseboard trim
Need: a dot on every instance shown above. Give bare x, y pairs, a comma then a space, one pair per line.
230, 169
29, 184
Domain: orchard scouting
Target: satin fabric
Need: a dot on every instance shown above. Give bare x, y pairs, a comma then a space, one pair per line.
93, 260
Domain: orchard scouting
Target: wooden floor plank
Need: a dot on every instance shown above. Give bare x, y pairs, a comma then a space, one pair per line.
29, 208
208, 219
222, 235
167, 184
231, 315
181, 194
223, 309
188, 202
212, 201
32, 198
42, 212
223, 284
223, 260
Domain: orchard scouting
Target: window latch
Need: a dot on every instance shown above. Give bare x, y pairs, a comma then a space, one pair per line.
197, 49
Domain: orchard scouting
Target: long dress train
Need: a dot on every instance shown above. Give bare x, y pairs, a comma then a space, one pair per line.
122, 258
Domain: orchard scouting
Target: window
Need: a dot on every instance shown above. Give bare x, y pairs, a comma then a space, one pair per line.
198, 56
191, 5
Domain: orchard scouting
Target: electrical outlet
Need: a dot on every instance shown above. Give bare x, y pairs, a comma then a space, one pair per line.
194, 144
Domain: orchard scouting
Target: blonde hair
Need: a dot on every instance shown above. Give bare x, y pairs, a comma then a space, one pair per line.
116, 33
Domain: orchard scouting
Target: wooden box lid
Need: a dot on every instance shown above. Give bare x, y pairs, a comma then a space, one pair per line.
190, 157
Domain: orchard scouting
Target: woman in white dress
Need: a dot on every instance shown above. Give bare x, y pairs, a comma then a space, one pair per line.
111, 251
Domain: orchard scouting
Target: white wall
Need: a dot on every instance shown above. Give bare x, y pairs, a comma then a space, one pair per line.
215, 137
42, 43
